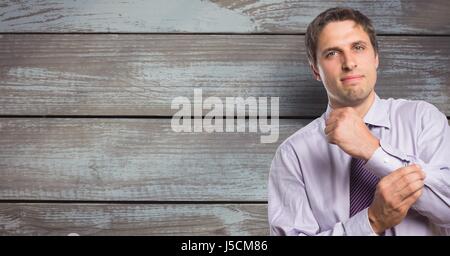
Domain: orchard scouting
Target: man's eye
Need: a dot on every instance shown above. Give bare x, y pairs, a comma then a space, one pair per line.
330, 54
359, 47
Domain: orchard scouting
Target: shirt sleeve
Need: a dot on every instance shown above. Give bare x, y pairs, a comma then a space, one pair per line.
289, 210
433, 155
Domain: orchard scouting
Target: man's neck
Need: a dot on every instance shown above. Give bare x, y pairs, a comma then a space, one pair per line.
361, 108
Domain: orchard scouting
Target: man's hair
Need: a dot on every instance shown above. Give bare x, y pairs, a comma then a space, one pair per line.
332, 15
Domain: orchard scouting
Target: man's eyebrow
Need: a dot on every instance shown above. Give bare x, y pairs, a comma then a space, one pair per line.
359, 42
335, 48
331, 49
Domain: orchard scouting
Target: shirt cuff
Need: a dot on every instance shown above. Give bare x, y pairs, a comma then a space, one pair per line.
359, 225
386, 160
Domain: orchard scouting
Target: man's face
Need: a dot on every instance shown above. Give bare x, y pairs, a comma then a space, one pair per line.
346, 63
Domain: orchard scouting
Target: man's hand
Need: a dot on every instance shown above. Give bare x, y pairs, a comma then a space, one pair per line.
347, 130
395, 194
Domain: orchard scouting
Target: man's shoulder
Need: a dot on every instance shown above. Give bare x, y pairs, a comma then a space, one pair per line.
407, 103
406, 109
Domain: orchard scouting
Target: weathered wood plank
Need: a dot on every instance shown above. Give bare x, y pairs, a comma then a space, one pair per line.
142, 74
133, 219
131, 159
162, 16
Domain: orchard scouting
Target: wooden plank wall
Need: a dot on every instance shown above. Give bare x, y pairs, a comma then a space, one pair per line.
86, 87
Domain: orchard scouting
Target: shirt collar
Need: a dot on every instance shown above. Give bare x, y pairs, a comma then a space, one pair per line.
377, 115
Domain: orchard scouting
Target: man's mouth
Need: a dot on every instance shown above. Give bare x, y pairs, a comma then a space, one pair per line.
351, 78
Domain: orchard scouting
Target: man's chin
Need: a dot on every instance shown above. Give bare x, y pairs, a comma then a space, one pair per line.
354, 98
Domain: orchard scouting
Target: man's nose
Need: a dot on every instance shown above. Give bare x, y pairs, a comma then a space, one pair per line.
348, 62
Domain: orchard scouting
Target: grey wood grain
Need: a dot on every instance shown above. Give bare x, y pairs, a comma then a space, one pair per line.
132, 219
131, 159
111, 75
218, 16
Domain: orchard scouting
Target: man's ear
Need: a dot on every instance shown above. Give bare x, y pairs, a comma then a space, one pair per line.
315, 72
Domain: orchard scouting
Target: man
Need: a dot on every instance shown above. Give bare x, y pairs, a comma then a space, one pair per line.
367, 166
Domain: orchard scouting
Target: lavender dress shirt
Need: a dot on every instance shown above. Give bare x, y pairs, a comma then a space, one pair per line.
308, 188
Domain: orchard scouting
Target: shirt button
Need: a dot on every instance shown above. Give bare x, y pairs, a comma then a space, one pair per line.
386, 160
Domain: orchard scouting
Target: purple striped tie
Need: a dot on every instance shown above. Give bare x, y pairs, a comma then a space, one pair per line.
362, 186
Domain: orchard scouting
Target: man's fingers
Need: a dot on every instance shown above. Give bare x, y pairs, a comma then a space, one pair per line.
340, 113
410, 189
406, 180
334, 115
331, 119
330, 128
409, 201
399, 173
